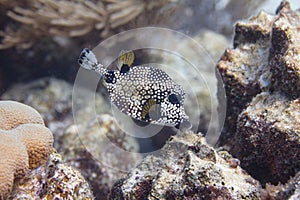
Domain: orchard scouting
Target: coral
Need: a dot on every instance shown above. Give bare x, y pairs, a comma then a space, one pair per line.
261, 76
53, 180
13, 162
69, 18
186, 168
25, 149
13, 114
52, 98
38, 141
26, 143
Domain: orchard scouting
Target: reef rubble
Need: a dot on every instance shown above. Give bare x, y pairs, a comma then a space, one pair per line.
53, 180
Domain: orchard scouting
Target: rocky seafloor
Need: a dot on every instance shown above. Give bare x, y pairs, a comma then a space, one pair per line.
257, 156
261, 77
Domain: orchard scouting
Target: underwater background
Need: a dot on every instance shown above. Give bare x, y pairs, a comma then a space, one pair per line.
239, 65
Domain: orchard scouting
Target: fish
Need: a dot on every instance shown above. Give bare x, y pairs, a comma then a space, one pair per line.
144, 92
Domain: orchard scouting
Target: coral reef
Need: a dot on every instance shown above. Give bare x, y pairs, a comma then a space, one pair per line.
86, 153
53, 180
70, 18
186, 168
261, 76
29, 167
26, 143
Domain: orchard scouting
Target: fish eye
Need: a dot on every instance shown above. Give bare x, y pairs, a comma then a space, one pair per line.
173, 98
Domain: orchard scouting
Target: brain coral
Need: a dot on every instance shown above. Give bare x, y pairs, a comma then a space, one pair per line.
13, 114
25, 143
38, 141
13, 162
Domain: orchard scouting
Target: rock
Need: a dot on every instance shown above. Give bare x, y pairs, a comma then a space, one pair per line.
261, 77
53, 180
267, 138
103, 153
186, 168
285, 52
244, 69
290, 190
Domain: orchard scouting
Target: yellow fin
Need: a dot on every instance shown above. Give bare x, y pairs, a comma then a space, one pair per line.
146, 108
125, 57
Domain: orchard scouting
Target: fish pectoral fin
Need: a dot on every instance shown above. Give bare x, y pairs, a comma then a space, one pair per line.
155, 112
151, 110
140, 122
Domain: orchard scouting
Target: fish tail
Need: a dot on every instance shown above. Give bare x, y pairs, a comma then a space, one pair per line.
88, 60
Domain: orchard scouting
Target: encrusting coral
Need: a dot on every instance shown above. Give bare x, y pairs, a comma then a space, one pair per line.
25, 143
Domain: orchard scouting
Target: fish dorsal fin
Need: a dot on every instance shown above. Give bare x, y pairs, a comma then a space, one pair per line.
151, 110
125, 60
